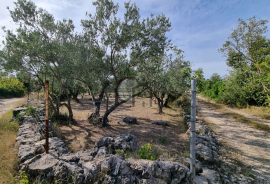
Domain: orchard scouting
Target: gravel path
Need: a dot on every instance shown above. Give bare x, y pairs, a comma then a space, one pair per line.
252, 144
8, 103
234, 110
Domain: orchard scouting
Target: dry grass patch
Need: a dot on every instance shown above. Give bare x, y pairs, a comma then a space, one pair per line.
254, 124
8, 154
263, 112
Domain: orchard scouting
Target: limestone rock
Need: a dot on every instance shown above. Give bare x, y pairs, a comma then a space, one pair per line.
125, 142
42, 165
17, 111
206, 148
198, 165
159, 122
130, 120
212, 176
201, 180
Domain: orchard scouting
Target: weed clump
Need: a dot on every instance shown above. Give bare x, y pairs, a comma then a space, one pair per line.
145, 152
161, 139
30, 111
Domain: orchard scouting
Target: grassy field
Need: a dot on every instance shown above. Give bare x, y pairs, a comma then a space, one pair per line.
8, 153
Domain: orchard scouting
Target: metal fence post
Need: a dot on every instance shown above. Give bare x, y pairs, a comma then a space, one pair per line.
47, 117
193, 128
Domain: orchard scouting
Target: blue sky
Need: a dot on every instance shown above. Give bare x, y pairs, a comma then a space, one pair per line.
199, 27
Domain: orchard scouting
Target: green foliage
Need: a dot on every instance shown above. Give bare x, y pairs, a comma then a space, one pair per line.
240, 90
213, 90
247, 50
12, 126
23, 177
126, 154
198, 75
11, 87
170, 79
56, 129
185, 103
30, 111
118, 151
52, 50
145, 152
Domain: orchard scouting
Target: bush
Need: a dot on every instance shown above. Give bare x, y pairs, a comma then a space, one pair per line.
145, 152
11, 87
240, 90
30, 111
215, 90
126, 154
24, 179
185, 103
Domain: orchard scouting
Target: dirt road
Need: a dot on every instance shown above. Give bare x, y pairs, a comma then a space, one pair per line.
253, 145
235, 110
8, 103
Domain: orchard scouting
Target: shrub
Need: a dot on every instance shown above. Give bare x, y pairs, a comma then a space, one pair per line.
24, 179
30, 111
145, 152
185, 103
11, 87
125, 154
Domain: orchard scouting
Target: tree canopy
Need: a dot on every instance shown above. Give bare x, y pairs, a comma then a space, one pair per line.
108, 52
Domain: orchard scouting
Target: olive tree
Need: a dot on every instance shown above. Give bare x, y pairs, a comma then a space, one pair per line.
170, 75
124, 45
41, 47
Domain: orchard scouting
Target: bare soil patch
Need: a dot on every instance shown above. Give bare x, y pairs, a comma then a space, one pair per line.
83, 135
